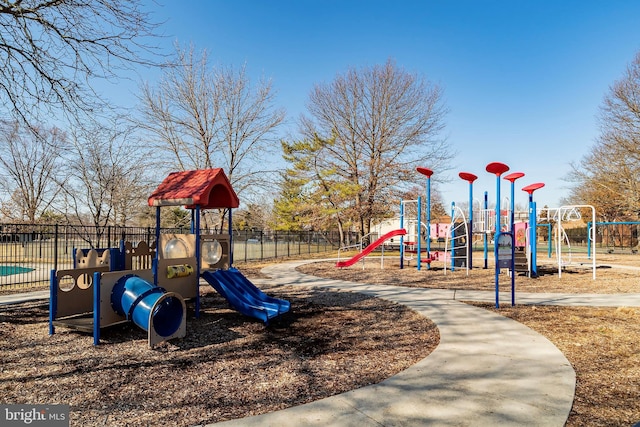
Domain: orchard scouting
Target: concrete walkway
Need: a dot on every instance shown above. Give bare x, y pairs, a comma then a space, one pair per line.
487, 370
23, 297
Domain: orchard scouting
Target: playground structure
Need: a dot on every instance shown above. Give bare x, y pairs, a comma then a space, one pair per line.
150, 285
369, 248
514, 233
557, 218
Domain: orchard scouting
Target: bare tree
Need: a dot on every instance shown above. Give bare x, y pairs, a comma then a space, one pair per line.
384, 121
51, 51
107, 184
30, 160
607, 177
204, 117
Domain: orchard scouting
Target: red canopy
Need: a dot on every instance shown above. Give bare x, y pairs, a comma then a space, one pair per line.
207, 188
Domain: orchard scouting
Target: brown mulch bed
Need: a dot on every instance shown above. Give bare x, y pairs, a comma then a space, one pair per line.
574, 279
226, 367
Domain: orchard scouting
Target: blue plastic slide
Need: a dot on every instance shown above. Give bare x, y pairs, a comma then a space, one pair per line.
244, 296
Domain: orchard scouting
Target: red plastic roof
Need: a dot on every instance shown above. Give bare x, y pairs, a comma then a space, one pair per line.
207, 188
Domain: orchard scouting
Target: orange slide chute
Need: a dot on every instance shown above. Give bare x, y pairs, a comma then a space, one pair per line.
366, 251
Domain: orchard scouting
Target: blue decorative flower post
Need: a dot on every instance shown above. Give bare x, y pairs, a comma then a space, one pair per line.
497, 169
426, 172
533, 238
469, 177
512, 178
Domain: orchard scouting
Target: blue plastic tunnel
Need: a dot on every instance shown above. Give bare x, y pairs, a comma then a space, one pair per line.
135, 298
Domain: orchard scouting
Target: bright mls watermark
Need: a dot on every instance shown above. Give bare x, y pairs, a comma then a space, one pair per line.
34, 415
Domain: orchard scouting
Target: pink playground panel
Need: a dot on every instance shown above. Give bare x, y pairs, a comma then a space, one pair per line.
520, 229
440, 230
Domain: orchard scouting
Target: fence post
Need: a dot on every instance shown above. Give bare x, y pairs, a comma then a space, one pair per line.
55, 247
275, 244
261, 245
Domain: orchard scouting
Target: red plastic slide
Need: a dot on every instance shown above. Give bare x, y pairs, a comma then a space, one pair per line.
371, 247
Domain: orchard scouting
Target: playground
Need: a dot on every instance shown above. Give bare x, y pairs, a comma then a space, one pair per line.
227, 367
212, 356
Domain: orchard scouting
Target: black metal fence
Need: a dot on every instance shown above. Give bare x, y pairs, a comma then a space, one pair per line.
28, 253
623, 236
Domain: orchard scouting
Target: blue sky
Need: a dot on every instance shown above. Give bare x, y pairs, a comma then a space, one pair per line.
523, 80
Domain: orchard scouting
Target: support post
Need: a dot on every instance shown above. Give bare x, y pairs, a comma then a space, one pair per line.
428, 172
486, 220
497, 169
198, 258
401, 237
419, 238
532, 227
156, 260
469, 177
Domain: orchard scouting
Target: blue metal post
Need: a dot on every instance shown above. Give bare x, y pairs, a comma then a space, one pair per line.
469, 177
588, 240
427, 172
513, 269
470, 236
231, 239
512, 206
198, 257
497, 169
96, 307
513, 242
451, 231
533, 244
495, 242
53, 300
429, 220
401, 237
485, 240
156, 260
532, 233
419, 243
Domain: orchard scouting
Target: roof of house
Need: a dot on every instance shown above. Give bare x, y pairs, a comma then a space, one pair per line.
206, 188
